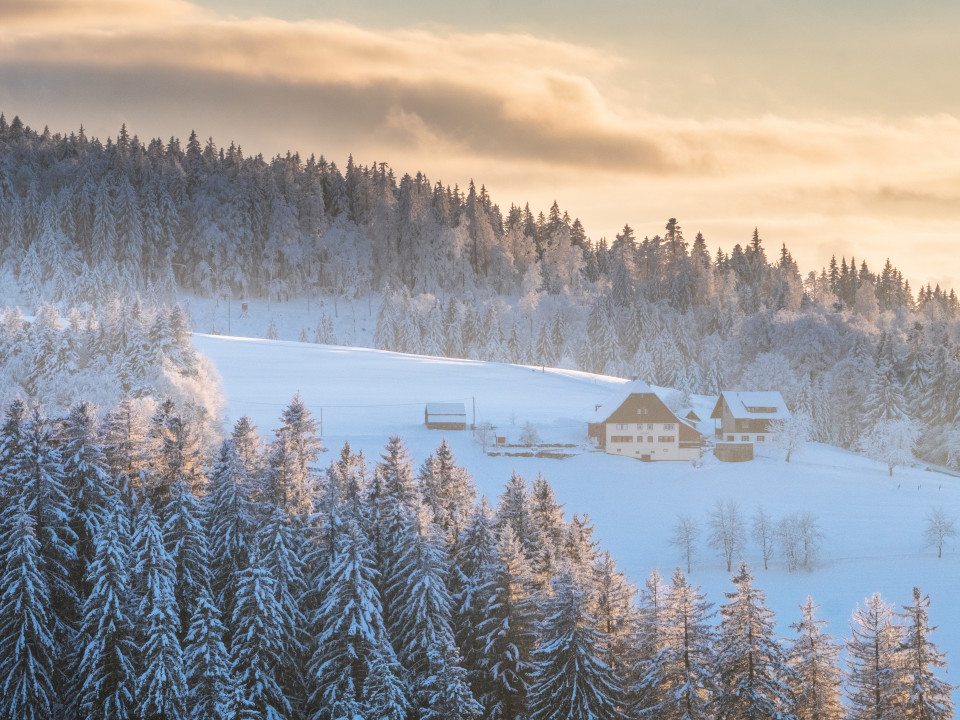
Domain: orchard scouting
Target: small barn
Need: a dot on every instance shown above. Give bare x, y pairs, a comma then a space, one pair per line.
748, 416
445, 416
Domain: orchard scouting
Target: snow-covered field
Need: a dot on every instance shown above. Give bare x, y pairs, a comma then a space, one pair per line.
873, 524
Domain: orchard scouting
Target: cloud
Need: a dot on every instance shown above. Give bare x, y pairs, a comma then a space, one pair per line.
535, 118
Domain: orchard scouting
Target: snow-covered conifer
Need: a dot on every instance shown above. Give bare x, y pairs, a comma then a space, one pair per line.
570, 681
815, 680
290, 478
444, 688
28, 646
161, 684
105, 673
927, 697
751, 666
875, 681
206, 662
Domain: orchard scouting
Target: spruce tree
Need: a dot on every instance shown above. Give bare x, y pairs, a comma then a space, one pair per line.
683, 670
384, 691
105, 673
28, 648
751, 667
445, 689
350, 630
290, 479
161, 685
449, 492
570, 681
207, 663
258, 648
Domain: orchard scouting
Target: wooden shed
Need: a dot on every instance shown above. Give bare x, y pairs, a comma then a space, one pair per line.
445, 416
734, 451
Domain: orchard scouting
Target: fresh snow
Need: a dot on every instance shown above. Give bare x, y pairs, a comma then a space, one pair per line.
873, 524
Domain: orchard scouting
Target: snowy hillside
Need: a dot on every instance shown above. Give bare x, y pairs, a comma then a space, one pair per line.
873, 524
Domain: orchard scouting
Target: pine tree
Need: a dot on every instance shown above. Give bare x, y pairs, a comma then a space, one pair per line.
751, 667
28, 648
161, 686
570, 681
816, 680
927, 696
105, 672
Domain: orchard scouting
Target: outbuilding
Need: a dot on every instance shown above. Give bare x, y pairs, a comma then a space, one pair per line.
445, 416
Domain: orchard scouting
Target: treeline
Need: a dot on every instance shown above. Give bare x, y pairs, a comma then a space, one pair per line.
81, 219
141, 582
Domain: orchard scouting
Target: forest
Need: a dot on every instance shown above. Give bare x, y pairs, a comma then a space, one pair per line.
852, 347
141, 581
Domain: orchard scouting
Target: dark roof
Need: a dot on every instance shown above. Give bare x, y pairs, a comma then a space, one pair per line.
692, 416
657, 412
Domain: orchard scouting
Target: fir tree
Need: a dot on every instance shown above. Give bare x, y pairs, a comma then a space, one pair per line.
207, 663
290, 479
445, 689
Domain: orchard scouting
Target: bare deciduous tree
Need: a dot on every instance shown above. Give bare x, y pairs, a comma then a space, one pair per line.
764, 532
800, 540
685, 534
940, 527
529, 434
483, 434
727, 530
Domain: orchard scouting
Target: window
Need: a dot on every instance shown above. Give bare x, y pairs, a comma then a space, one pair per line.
623, 426
745, 438
641, 411
729, 438
650, 438
669, 426
666, 439
649, 426
760, 438
621, 438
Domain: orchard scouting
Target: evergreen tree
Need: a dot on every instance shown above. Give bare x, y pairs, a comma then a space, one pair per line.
186, 542
874, 680
816, 680
28, 648
232, 530
384, 692
570, 681
106, 676
684, 669
257, 651
508, 632
351, 630
513, 510
207, 663
445, 688
927, 697
448, 490
161, 686
751, 667
290, 479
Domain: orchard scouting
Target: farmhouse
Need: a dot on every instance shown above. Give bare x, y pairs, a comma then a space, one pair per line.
748, 416
636, 423
445, 416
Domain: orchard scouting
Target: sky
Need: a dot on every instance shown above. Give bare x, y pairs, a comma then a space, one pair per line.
833, 127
